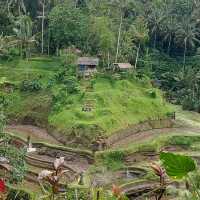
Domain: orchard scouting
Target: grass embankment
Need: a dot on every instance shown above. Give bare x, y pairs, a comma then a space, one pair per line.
30, 107
116, 102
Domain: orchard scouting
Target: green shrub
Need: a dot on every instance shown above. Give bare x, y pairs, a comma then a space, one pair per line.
197, 106
113, 160
4, 101
71, 85
30, 85
15, 194
82, 193
181, 141
13, 52
186, 141
188, 103
60, 76
92, 83
152, 93
68, 59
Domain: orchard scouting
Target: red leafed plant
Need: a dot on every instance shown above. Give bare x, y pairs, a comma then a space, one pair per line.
117, 192
2, 186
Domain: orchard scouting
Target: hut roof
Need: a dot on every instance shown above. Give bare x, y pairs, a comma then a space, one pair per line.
124, 65
88, 61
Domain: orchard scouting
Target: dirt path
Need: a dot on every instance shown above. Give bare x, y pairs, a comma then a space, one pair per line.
148, 135
36, 134
185, 125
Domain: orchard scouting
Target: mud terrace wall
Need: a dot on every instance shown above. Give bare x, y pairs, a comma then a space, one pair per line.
54, 150
143, 126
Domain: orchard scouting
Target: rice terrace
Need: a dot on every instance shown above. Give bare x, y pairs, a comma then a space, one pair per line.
99, 100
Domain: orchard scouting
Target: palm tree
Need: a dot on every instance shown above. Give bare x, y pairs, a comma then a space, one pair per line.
120, 5
140, 34
155, 18
17, 3
23, 31
187, 34
170, 29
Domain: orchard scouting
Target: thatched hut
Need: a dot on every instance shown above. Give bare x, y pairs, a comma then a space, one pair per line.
87, 66
123, 66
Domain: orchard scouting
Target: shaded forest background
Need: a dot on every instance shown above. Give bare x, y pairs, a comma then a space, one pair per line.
161, 38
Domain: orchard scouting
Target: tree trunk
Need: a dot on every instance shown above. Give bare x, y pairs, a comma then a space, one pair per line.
43, 26
57, 50
137, 56
119, 37
169, 45
48, 48
108, 59
154, 42
184, 56
21, 50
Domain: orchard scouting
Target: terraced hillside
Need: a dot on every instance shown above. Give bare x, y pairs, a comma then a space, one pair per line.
100, 106
126, 163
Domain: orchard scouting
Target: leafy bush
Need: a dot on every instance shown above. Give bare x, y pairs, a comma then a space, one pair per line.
13, 52
51, 82
152, 93
83, 194
60, 76
4, 101
68, 59
188, 103
17, 161
15, 194
185, 141
31, 85
113, 160
92, 83
197, 105
71, 85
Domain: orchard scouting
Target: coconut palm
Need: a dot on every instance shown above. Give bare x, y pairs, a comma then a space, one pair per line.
23, 32
140, 34
187, 34
170, 29
17, 3
155, 18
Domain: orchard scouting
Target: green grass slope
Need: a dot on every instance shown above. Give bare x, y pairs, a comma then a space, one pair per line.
115, 103
17, 70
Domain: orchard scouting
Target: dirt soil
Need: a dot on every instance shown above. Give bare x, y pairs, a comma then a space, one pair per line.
37, 134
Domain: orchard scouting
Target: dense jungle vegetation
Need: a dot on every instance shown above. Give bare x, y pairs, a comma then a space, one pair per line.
160, 38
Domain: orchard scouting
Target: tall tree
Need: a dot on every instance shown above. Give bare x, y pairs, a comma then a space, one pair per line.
24, 34
104, 38
170, 29
68, 26
140, 33
187, 34
19, 4
156, 16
